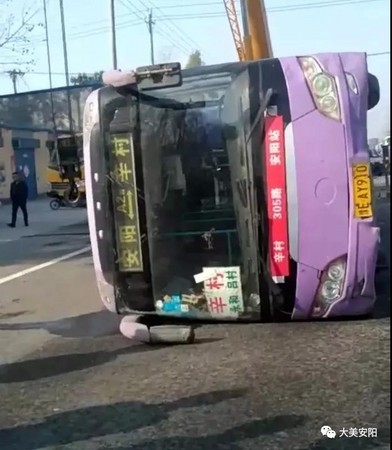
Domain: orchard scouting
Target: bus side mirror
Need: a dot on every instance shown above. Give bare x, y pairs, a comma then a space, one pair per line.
159, 76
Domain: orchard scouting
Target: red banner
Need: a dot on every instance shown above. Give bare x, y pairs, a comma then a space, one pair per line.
276, 196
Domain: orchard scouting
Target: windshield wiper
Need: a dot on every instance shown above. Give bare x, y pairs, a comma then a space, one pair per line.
263, 106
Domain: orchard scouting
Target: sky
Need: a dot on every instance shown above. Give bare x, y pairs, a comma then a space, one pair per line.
296, 27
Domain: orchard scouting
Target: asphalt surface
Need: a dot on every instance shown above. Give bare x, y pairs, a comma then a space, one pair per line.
68, 379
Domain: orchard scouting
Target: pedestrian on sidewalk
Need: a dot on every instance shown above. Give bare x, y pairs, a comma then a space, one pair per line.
19, 193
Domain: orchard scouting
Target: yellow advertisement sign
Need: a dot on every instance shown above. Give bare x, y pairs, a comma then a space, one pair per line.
124, 191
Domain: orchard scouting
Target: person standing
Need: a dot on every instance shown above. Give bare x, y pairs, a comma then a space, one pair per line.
18, 193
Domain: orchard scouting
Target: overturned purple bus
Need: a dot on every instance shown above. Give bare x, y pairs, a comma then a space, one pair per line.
238, 191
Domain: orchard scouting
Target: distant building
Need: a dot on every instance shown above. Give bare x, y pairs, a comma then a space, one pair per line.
33, 109
24, 149
26, 126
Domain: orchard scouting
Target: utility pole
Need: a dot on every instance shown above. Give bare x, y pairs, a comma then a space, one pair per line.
150, 24
66, 63
49, 65
47, 45
113, 26
14, 74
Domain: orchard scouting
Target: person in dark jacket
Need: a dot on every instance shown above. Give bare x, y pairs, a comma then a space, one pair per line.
18, 193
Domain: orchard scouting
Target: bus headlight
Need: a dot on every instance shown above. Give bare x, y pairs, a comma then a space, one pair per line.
336, 271
331, 286
330, 291
329, 104
322, 86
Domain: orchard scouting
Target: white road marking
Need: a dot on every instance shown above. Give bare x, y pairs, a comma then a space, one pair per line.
22, 273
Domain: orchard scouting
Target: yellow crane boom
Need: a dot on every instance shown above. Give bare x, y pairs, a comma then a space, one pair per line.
256, 43
235, 28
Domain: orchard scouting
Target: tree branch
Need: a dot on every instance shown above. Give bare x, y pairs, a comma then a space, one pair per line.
12, 36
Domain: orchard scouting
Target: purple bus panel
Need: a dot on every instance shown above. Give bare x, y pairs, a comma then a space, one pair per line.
335, 251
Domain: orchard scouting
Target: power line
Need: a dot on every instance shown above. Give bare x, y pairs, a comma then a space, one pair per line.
309, 5
185, 49
193, 16
95, 32
175, 28
317, 5
290, 8
379, 54
181, 42
167, 36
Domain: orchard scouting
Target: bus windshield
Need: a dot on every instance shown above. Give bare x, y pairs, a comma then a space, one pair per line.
198, 188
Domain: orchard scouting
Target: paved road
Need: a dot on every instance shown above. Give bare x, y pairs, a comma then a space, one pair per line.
41, 219
381, 181
68, 380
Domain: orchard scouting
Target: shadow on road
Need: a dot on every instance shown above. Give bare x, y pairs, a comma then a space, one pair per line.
100, 421
226, 440
12, 315
92, 325
51, 366
95, 324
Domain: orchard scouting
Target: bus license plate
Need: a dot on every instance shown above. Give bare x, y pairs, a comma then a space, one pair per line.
362, 191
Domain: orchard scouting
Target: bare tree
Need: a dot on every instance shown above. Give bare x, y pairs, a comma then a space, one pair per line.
15, 34
87, 78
